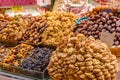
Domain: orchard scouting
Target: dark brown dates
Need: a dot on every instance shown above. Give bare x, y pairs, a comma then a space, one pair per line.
103, 21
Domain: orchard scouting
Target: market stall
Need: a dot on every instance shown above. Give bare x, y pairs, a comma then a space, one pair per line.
60, 40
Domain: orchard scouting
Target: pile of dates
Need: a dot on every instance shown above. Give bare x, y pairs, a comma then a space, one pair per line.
16, 55
33, 34
22, 29
38, 60
102, 22
81, 58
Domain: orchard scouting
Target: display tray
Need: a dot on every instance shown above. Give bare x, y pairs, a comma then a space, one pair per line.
24, 73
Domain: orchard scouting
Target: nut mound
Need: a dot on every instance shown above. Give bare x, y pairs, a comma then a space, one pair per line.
81, 58
61, 24
13, 31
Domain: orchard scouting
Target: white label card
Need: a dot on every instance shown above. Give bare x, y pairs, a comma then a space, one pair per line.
107, 38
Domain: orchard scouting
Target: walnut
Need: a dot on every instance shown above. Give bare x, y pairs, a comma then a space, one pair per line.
81, 58
61, 25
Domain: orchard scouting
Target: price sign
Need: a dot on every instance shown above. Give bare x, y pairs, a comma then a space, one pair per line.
107, 38
17, 8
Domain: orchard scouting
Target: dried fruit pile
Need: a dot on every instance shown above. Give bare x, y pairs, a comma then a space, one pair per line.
97, 10
4, 20
81, 58
16, 55
33, 34
13, 32
3, 51
38, 60
61, 24
102, 22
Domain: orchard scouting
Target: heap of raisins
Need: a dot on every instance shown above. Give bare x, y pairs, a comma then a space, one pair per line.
39, 59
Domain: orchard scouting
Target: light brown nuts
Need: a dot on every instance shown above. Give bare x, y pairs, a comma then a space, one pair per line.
86, 59
61, 25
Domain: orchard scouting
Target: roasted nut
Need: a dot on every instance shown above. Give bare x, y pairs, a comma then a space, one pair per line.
13, 31
61, 25
94, 62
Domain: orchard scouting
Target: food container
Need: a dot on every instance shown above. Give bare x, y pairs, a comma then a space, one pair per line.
25, 73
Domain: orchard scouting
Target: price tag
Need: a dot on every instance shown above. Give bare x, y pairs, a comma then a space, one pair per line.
107, 38
17, 8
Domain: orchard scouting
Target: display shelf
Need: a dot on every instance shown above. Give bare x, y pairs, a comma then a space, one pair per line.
23, 74
10, 76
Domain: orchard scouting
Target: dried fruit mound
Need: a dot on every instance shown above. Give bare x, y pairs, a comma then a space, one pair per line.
39, 59
13, 31
81, 58
102, 22
61, 24
17, 54
33, 34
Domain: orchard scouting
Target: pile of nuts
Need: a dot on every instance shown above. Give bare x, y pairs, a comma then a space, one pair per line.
61, 24
13, 32
102, 22
81, 58
38, 60
33, 34
17, 54
4, 20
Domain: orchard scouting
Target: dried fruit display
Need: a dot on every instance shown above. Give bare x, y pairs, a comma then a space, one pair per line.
113, 9
4, 21
17, 54
61, 24
13, 32
38, 60
81, 58
33, 34
3, 51
102, 22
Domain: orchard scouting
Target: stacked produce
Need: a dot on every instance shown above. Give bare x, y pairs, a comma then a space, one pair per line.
81, 58
4, 20
16, 55
97, 10
61, 24
3, 51
38, 60
13, 31
102, 22
33, 34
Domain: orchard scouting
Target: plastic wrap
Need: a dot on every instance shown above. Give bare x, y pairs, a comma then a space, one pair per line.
78, 7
